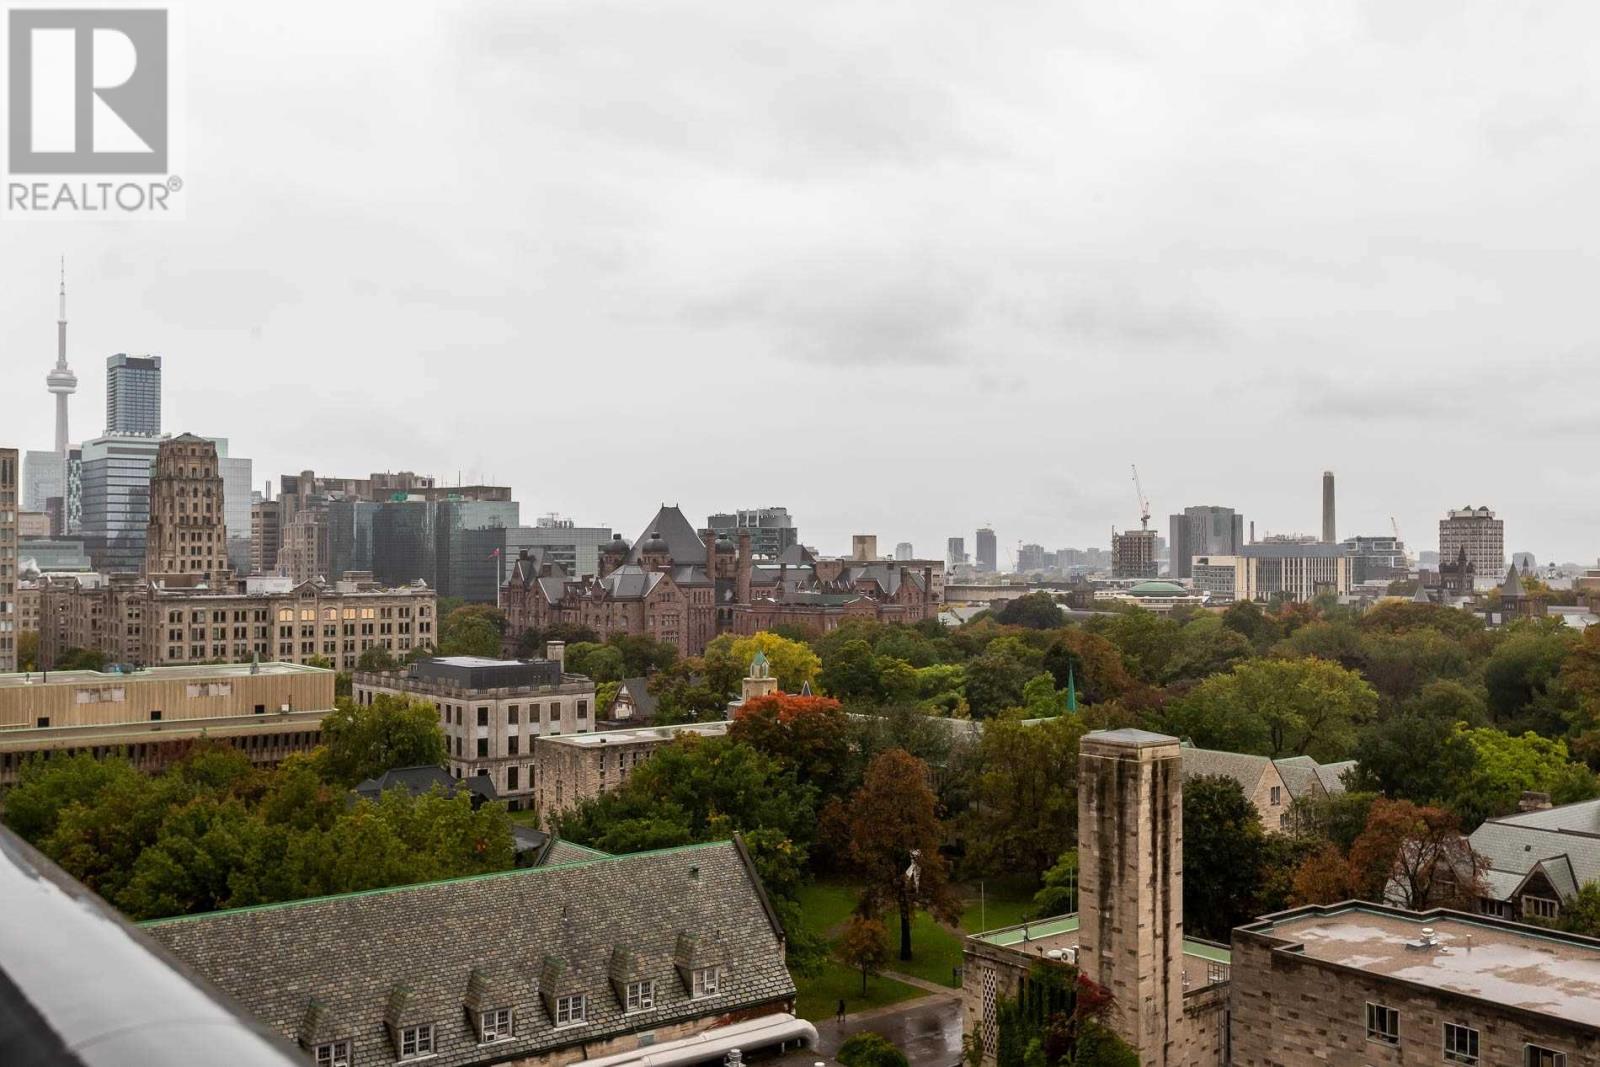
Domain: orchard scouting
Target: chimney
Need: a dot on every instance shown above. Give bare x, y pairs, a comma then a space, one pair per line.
1328, 529
556, 651
1534, 801
710, 539
745, 567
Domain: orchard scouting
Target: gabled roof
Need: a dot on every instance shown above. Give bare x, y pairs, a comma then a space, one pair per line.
349, 953
1245, 769
644, 702
419, 781
630, 582
1514, 849
683, 540
1299, 774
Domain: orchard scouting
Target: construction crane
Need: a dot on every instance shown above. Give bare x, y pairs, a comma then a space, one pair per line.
1144, 504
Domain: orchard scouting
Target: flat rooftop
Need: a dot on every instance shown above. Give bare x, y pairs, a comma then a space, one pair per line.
1523, 967
207, 671
628, 737
1061, 932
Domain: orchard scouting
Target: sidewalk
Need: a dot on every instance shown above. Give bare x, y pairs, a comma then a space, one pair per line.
927, 1030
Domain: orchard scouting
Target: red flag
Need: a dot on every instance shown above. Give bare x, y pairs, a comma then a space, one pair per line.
495, 554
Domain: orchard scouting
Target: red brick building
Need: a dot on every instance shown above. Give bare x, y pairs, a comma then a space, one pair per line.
684, 587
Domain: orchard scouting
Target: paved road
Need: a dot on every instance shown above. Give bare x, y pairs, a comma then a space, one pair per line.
927, 1030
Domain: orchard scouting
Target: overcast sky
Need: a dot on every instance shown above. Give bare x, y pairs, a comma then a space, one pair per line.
905, 268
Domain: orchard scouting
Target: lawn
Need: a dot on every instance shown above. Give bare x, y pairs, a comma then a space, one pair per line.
935, 948
820, 994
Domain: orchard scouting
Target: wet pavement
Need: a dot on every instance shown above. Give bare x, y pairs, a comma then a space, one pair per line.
927, 1030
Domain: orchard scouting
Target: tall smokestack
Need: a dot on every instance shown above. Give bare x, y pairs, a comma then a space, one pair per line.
1327, 508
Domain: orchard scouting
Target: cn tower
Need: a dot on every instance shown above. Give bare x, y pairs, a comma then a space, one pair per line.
61, 381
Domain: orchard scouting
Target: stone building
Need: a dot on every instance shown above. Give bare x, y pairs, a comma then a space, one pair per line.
492, 712
8, 559
571, 768
669, 957
187, 540
135, 621
685, 587
1170, 992
1272, 786
1360, 984
151, 717
1539, 858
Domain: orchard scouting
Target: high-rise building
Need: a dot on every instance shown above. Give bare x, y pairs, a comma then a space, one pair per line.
133, 395
903, 551
187, 540
988, 557
265, 537
1376, 558
1030, 558
955, 552
771, 530
116, 499
8, 559
1133, 554
61, 382
237, 479
863, 546
1207, 530
562, 543
1481, 535
1329, 535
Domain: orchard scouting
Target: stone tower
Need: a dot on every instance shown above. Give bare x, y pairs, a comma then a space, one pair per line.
1130, 873
759, 682
187, 540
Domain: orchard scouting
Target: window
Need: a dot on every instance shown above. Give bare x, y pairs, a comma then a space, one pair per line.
1277, 795
483, 747
333, 1054
155, 715
483, 716
1539, 1056
416, 1041
569, 1010
1460, 1043
1383, 1024
1540, 907
511, 778
496, 1024
511, 715
705, 981
641, 996
511, 745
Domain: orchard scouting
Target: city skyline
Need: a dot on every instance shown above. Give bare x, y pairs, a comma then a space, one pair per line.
1051, 256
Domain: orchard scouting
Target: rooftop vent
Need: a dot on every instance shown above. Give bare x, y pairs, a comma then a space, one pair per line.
1428, 940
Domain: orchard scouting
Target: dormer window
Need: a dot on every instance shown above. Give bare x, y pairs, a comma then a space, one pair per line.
570, 1009
641, 995
416, 1041
333, 1054
707, 981
494, 1025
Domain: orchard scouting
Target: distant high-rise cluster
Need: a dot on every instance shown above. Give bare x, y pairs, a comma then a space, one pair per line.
1203, 531
988, 557
771, 530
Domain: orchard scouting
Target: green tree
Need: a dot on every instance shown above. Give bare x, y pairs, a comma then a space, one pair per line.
1411, 752
1224, 850
80, 659
47, 787
864, 947
850, 673
364, 740
792, 663
1035, 611
471, 630
1581, 915
994, 683
868, 1048
1059, 893
1025, 813
642, 655
27, 650
602, 663
1278, 708
1523, 677
1503, 767
895, 836
376, 658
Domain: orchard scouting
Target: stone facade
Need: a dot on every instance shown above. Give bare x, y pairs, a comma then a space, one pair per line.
1290, 1009
187, 540
9, 469
570, 769
133, 621
493, 712
152, 716
1130, 800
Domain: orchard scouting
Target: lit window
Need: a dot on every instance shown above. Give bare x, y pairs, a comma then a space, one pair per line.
416, 1041
706, 981
1460, 1043
569, 1009
641, 995
333, 1054
495, 1024
1538, 1056
1383, 1024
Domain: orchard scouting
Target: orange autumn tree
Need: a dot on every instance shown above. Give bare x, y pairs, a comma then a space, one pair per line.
809, 735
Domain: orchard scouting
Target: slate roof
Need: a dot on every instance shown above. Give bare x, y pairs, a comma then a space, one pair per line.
1245, 769
644, 702
349, 955
418, 781
683, 540
1565, 841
